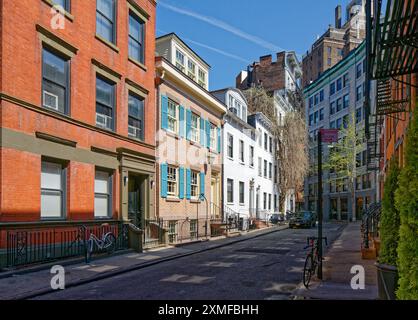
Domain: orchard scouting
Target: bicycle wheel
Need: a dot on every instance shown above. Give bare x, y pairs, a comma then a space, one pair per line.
109, 243
307, 270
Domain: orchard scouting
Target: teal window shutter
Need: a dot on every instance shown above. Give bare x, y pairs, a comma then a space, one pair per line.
164, 112
188, 184
208, 134
202, 131
181, 183
219, 140
163, 180
181, 124
202, 184
188, 124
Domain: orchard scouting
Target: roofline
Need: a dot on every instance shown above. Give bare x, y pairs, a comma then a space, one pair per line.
173, 34
232, 89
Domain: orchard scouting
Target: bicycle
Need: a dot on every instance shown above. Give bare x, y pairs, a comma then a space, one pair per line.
312, 259
107, 242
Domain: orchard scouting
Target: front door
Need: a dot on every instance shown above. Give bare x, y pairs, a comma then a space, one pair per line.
214, 191
135, 200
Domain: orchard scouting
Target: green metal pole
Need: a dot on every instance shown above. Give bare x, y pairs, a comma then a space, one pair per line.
319, 209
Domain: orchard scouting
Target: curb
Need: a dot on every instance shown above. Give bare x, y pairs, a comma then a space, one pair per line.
139, 266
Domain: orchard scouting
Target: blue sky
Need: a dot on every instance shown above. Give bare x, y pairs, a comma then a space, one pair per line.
230, 34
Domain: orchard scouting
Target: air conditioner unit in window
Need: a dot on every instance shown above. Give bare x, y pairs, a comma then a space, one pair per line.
50, 100
134, 131
103, 121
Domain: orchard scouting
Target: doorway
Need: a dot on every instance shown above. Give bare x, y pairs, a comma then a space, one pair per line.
215, 197
136, 196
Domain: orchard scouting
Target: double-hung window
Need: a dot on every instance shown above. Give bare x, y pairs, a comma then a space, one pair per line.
241, 151
358, 93
136, 117
102, 194
265, 168
339, 105
55, 82
321, 114
105, 103
346, 80
180, 60
332, 89
346, 101
136, 37
105, 19
194, 184
172, 116
251, 156
53, 190
332, 108
265, 141
339, 84
171, 181
270, 170
358, 70
63, 3
194, 128
265, 201
191, 69
241, 192
230, 190
260, 166
202, 78
230, 146
213, 131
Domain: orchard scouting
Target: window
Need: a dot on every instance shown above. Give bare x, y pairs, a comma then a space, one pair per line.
265, 141
230, 190
136, 38
316, 99
191, 69
329, 61
321, 95
194, 128
329, 50
172, 231
55, 82
311, 102
63, 3
332, 89
310, 119
358, 115
260, 169
231, 101
345, 121
340, 52
332, 108
269, 201
358, 70
238, 108
180, 60
275, 174
270, 170
339, 104
321, 114
213, 130
358, 93
102, 194
241, 192
316, 116
346, 101
53, 190
105, 103
339, 123
105, 20
270, 144
202, 78
364, 66
136, 117
346, 80
193, 229
332, 125
172, 116
230, 146
251, 156
171, 181
265, 168
241, 151
194, 183
339, 84
275, 202
265, 201
260, 138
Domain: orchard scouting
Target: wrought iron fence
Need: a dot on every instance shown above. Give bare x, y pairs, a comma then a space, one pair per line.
370, 223
36, 243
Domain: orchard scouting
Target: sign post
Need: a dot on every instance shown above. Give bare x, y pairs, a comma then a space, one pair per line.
327, 136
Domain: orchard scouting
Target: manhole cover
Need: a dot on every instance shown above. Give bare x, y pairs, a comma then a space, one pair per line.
264, 250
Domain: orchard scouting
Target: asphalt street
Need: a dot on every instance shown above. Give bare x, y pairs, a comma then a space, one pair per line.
267, 267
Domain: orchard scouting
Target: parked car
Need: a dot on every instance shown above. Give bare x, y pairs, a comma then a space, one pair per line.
304, 219
276, 218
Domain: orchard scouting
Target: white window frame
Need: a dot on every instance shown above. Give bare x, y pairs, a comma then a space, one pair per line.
54, 192
194, 184
202, 81
230, 146
172, 121
100, 195
180, 64
195, 128
213, 143
241, 151
172, 184
191, 72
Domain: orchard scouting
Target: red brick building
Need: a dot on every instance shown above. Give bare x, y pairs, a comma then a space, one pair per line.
77, 110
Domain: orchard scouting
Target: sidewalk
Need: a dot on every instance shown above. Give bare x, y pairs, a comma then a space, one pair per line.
24, 284
344, 253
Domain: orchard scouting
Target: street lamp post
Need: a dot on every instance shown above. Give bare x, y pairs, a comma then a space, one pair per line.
319, 205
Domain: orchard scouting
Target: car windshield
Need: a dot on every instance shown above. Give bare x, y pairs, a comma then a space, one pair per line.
303, 215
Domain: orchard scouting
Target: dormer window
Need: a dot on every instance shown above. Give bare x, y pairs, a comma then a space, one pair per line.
191, 70
180, 61
202, 78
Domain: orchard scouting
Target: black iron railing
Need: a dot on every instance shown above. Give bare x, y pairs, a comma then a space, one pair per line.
39, 242
370, 223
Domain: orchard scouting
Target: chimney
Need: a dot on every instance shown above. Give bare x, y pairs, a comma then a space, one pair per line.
266, 60
338, 17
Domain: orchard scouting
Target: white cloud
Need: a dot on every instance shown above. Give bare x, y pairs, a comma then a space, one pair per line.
223, 25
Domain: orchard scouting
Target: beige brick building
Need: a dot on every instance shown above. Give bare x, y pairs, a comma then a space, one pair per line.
189, 123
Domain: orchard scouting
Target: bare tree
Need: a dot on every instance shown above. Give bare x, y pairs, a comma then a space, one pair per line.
291, 138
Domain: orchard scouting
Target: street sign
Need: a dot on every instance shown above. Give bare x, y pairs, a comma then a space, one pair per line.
329, 135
